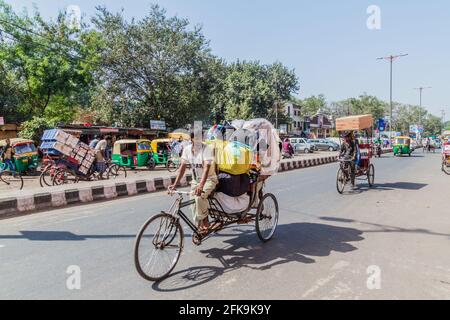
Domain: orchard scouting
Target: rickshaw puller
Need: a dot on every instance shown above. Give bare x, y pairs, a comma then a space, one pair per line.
348, 152
202, 161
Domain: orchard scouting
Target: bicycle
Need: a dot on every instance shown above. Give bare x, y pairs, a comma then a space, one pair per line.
67, 175
11, 178
160, 241
173, 163
344, 174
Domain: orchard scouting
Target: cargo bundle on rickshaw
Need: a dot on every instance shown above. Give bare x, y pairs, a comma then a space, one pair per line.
25, 155
247, 153
75, 154
362, 126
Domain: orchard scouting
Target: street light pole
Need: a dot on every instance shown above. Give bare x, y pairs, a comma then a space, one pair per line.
391, 59
420, 111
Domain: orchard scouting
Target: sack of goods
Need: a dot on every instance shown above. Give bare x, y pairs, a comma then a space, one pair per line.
233, 185
233, 205
233, 157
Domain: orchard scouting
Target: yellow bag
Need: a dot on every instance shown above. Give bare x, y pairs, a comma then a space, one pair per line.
233, 157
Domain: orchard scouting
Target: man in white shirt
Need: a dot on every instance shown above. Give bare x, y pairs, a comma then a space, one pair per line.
100, 155
202, 161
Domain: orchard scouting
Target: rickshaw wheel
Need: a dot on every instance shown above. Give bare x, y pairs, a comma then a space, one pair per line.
46, 177
267, 217
12, 180
445, 168
64, 176
158, 247
341, 181
151, 164
371, 175
171, 166
116, 171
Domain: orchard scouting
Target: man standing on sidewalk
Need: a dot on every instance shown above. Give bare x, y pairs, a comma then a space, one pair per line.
8, 156
101, 155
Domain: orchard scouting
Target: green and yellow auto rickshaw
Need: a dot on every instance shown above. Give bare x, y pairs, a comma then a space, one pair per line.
133, 153
161, 151
402, 146
25, 155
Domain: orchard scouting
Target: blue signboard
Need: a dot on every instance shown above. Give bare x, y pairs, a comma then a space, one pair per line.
381, 125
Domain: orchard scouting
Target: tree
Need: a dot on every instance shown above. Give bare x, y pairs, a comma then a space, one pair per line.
311, 105
364, 104
154, 68
254, 90
46, 64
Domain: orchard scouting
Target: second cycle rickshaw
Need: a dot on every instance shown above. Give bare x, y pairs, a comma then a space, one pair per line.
364, 169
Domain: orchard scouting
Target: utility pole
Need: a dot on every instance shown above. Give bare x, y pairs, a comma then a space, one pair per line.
420, 111
276, 115
391, 59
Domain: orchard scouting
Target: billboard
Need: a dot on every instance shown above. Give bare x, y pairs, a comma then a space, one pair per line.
414, 128
157, 125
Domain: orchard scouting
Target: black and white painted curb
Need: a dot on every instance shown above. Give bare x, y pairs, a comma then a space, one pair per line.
56, 199
299, 164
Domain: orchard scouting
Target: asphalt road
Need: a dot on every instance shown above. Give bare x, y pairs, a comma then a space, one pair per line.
389, 242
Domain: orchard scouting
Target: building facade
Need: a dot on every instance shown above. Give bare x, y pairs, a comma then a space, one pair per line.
321, 125
299, 125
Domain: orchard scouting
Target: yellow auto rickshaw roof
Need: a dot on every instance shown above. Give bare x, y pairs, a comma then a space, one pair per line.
131, 141
157, 141
15, 141
177, 135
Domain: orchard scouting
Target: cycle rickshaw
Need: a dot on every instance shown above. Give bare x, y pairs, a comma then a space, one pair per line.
365, 170
160, 241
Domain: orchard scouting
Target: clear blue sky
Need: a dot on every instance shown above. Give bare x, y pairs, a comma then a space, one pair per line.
326, 41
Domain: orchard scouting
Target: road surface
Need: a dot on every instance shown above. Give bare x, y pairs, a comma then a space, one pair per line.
389, 242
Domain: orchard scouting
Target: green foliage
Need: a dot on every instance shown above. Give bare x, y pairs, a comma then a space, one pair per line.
45, 63
34, 128
310, 106
253, 90
155, 68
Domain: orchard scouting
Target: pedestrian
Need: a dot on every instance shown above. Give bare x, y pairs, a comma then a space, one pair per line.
100, 155
94, 142
8, 156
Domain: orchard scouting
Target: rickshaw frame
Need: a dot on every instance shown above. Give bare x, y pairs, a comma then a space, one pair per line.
218, 215
367, 170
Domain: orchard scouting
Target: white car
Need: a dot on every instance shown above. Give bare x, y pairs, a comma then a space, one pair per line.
301, 145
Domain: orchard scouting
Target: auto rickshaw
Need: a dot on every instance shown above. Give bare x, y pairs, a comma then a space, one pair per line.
402, 146
133, 153
25, 155
161, 151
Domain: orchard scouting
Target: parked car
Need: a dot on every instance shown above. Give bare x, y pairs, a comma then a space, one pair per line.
324, 144
301, 145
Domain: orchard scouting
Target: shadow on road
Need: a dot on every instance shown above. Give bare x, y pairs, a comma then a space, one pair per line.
360, 188
296, 242
384, 228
